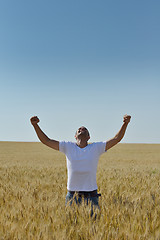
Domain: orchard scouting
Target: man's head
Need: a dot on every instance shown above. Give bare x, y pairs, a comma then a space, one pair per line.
82, 133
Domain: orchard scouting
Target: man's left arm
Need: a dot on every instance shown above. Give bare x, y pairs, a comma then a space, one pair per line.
118, 137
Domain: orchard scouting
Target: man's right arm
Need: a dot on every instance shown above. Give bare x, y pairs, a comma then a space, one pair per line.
42, 136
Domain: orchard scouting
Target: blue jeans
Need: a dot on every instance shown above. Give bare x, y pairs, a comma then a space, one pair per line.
70, 198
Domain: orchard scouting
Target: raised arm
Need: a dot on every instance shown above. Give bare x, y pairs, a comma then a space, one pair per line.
118, 137
42, 136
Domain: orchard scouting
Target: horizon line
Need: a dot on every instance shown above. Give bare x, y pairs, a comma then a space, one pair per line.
12, 141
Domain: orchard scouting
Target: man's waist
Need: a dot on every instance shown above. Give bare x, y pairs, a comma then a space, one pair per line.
85, 193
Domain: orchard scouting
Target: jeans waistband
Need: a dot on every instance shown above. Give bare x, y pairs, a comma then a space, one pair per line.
86, 193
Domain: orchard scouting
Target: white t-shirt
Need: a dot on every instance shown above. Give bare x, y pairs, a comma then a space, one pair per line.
82, 164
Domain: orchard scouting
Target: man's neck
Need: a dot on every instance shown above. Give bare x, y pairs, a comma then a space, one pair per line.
82, 144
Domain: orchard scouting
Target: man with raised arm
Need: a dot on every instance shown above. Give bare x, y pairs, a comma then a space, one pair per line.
82, 160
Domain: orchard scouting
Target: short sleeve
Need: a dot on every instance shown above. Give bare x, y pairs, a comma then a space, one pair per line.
62, 147
101, 146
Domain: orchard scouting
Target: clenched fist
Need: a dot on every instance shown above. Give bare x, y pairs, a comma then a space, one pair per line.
34, 120
126, 118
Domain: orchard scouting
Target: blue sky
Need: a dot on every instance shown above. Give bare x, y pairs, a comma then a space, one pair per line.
76, 63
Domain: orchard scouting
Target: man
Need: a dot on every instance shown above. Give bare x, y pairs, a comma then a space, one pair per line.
82, 160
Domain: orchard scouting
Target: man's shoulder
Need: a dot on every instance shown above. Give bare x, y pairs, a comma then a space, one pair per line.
65, 146
99, 146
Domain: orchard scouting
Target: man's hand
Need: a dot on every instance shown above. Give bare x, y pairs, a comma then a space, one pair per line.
34, 120
126, 118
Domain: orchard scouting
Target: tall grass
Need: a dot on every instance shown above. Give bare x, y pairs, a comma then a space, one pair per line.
33, 188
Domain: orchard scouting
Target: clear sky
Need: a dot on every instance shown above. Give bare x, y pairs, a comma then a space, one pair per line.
80, 62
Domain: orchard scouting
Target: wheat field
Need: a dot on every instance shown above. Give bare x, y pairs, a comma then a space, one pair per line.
33, 182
